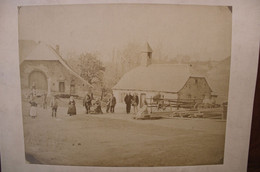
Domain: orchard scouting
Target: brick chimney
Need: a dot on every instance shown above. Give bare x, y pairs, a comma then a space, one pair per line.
57, 49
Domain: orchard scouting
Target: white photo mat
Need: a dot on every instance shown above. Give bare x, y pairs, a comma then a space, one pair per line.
244, 62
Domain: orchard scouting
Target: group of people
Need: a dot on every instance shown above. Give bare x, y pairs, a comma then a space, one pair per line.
131, 100
91, 105
33, 103
89, 102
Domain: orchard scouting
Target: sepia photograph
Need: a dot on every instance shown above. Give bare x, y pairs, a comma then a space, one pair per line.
124, 85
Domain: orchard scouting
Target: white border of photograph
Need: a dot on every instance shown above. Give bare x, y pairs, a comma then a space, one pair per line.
244, 61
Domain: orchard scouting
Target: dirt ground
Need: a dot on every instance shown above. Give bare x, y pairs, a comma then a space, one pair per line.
118, 140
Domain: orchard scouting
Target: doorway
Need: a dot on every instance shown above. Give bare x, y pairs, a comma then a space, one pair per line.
142, 99
38, 79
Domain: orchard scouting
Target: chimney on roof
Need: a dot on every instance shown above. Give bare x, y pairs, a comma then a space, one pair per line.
57, 49
146, 55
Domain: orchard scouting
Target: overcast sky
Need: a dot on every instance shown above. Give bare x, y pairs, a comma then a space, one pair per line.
201, 32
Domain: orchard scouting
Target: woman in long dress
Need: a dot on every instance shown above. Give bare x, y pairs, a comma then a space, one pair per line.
72, 106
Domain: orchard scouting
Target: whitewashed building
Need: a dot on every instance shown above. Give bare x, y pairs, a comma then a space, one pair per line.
42, 66
173, 81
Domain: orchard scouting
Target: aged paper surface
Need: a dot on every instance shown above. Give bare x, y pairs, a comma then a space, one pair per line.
18, 137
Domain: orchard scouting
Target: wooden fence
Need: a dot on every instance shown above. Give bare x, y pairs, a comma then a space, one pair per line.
191, 108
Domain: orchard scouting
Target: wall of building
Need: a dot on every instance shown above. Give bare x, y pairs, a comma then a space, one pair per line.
195, 88
56, 75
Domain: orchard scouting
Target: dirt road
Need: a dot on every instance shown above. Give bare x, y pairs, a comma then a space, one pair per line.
118, 140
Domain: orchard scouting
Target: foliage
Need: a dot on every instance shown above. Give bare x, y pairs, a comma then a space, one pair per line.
91, 69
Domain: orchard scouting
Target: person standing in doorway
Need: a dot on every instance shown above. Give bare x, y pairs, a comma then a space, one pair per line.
128, 101
135, 102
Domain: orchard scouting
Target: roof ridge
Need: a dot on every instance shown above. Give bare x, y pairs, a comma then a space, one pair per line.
65, 64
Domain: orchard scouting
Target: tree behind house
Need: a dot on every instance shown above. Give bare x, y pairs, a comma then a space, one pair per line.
91, 69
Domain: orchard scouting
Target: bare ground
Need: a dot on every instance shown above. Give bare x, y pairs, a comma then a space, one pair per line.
118, 140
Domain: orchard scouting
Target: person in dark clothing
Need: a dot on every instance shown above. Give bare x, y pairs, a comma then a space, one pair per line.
72, 107
135, 102
98, 109
113, 104
54, 107
128, 101
87, 103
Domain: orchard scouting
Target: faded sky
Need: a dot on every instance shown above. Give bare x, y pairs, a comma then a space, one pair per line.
201, 32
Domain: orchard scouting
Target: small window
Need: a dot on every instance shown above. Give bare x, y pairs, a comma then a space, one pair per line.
61, 87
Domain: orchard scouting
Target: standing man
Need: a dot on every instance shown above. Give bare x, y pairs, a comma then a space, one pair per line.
109, 104
54, 106
128, 101
135, 102
113, 104
87, 103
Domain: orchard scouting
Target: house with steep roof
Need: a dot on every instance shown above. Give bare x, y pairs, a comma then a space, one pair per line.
173, 81
43, 67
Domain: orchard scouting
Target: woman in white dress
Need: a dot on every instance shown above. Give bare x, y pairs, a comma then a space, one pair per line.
33, 109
